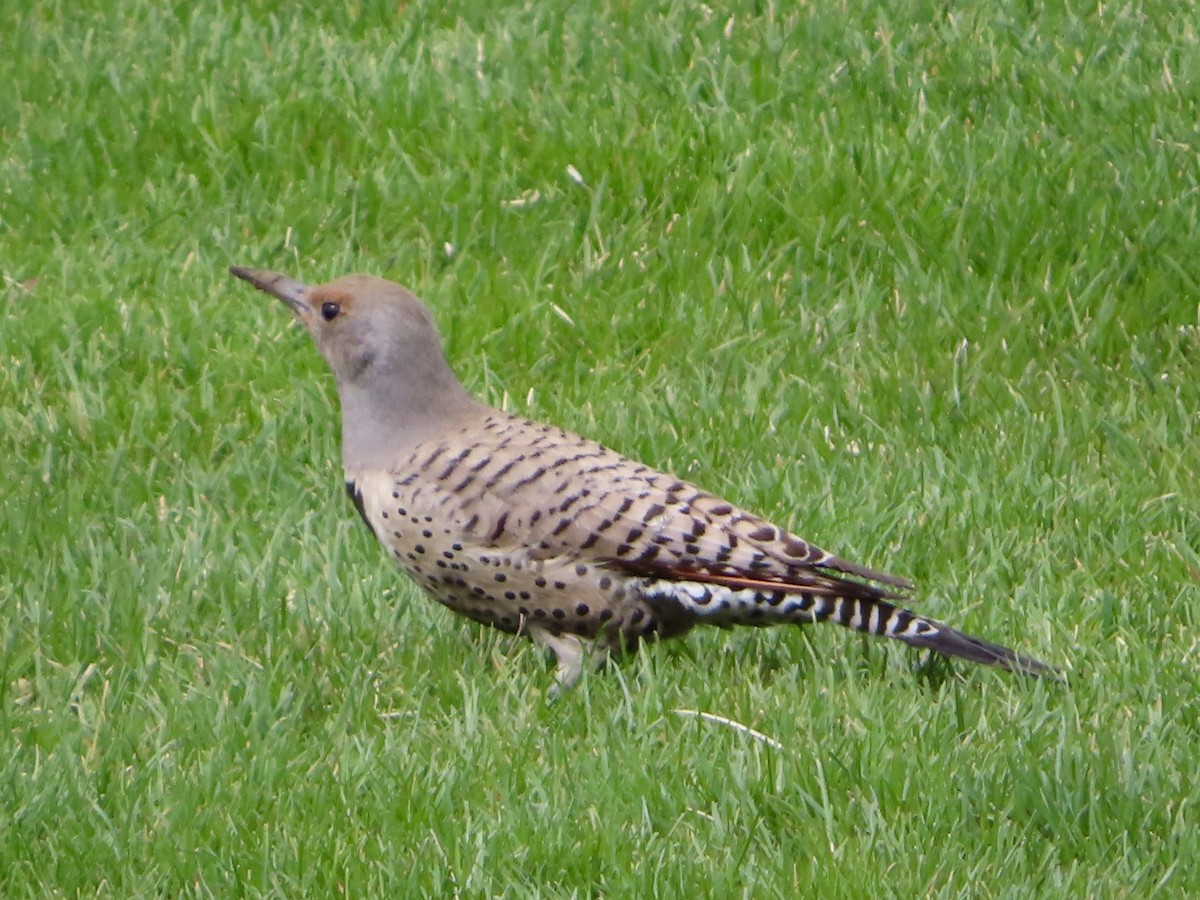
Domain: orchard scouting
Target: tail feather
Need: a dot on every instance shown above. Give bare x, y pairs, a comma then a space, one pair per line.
861, 608
879, 617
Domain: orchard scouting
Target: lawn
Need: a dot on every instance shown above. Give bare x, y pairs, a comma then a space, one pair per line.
918, 282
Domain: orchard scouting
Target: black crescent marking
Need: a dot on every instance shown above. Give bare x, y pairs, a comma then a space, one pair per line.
356, 497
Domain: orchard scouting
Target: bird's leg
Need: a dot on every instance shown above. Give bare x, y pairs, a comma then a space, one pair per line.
568, 652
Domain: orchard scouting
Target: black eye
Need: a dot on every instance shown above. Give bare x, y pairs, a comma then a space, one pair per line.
330, 311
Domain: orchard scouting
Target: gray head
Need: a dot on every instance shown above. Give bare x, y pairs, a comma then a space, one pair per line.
395, 386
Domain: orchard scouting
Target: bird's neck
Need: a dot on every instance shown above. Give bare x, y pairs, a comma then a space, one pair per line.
381, 424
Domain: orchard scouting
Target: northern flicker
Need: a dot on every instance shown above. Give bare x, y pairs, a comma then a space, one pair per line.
536, 531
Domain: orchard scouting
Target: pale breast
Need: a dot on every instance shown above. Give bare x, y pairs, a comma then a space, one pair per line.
506, 584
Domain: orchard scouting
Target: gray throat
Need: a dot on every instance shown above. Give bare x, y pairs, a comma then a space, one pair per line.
382, 424
384, 418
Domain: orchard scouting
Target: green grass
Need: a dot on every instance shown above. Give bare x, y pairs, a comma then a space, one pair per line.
919, 282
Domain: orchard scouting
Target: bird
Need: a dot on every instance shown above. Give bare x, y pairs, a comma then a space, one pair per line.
539, 532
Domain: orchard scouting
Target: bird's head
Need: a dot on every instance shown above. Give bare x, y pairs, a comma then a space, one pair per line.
384, 350
365, 327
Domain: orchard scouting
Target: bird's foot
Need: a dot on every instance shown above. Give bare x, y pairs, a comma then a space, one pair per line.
568, 653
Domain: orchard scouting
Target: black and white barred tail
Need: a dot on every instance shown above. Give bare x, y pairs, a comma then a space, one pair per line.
862, 608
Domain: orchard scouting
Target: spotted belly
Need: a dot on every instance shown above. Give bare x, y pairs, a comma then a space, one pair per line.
503, 587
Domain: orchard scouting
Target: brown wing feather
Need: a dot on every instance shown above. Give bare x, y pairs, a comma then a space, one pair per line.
816, 584
563, 495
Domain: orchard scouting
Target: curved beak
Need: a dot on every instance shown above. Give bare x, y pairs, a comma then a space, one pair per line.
292, 292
